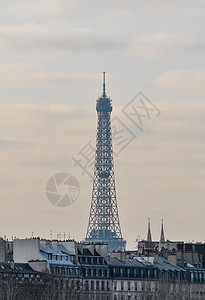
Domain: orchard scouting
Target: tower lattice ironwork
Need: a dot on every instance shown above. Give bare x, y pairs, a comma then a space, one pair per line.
104, 224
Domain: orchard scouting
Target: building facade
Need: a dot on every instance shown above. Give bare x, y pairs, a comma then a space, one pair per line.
71, 270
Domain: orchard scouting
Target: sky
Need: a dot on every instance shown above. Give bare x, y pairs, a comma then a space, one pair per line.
52, 55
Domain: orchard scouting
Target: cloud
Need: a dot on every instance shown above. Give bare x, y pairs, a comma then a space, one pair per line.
59, 8
14, 144
50, 50
50, 8
27, 74
158, 160
184, 80
164, 44
35, 38
15, 116
62, 8
39, 135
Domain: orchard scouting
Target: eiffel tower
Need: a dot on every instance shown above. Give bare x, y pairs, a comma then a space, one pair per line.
104, 224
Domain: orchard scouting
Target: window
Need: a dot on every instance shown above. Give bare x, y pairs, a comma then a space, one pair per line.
128, 285
87, 285
135, 286
72, 284
128, 272
97, 285
115, 285
49, 256
89, 260
148, 286
67, 284
122, 285
92, 285
108, 286
103, 285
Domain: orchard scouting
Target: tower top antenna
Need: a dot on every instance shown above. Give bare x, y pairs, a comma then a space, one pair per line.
104, 94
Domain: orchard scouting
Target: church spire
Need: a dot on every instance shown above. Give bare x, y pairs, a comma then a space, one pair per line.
149, 235
162, 238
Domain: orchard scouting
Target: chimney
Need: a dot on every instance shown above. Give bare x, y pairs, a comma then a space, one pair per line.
172, 259
11, 264
156, 259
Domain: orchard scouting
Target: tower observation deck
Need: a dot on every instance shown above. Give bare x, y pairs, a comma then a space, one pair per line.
104, 224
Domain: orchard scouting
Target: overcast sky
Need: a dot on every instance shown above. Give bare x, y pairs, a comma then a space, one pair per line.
52, 54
